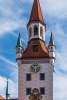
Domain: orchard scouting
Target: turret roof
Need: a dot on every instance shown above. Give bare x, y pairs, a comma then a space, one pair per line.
19, 42
51, 42
7, 88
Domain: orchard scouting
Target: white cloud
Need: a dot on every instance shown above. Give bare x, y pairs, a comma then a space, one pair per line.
55, 8
12, 67
61, 51
52, 8
13, 88
60, 75
60, 39
8, 61
14, 75
9, 19
60, 87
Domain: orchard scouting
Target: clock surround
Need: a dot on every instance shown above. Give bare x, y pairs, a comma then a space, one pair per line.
35, 67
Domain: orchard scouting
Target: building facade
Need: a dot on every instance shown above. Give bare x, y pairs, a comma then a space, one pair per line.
36, 62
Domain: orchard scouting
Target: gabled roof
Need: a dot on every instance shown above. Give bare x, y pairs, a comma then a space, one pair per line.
51, 42
36, 13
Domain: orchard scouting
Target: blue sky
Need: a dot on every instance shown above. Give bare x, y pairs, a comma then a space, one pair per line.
14, 16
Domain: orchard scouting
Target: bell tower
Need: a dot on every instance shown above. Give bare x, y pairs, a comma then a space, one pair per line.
36, 62
36, 25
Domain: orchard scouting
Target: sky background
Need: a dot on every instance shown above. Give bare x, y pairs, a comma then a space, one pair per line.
14, 16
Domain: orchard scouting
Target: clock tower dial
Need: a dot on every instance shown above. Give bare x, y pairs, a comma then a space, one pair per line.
35, 68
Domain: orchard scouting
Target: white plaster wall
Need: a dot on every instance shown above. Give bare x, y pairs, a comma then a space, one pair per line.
36, 36
52, 48
43, 31
18, 55
52, 54
35, 82
52, 61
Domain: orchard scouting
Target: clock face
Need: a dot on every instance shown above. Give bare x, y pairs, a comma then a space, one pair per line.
35, 68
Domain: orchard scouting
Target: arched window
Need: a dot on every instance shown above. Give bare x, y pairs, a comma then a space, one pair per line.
30, 32
52, 48
41, 32
35, 30
18, 49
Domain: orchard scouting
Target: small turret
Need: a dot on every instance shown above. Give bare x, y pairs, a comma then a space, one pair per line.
19, 48
7, 93
51, 48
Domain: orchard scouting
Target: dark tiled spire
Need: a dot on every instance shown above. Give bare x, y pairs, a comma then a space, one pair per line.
7, 93
51, 43
19, 42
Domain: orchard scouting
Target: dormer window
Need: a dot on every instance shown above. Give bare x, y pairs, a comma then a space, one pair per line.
35, 30
41, 32
35, 47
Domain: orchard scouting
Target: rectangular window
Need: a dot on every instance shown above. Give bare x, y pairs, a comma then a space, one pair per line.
42, 90
28, 91
28, 77
35, 48
42, 76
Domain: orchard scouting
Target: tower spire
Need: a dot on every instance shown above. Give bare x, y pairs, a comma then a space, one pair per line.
19, 42
7, 93
36, 13
51, 42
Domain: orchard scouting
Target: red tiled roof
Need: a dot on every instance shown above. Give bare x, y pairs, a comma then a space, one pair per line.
36, 13
1, 98
41, 53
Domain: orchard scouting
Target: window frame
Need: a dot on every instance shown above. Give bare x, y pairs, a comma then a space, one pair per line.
42, 93
42, 79
27, 92
28, 78
35, 50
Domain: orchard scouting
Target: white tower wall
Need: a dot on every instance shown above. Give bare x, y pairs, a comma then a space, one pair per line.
18, 52
32, 31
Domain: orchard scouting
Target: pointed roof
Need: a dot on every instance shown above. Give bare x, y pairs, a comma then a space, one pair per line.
7, 93
7, 87
19, 42
36, 13
51, 43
